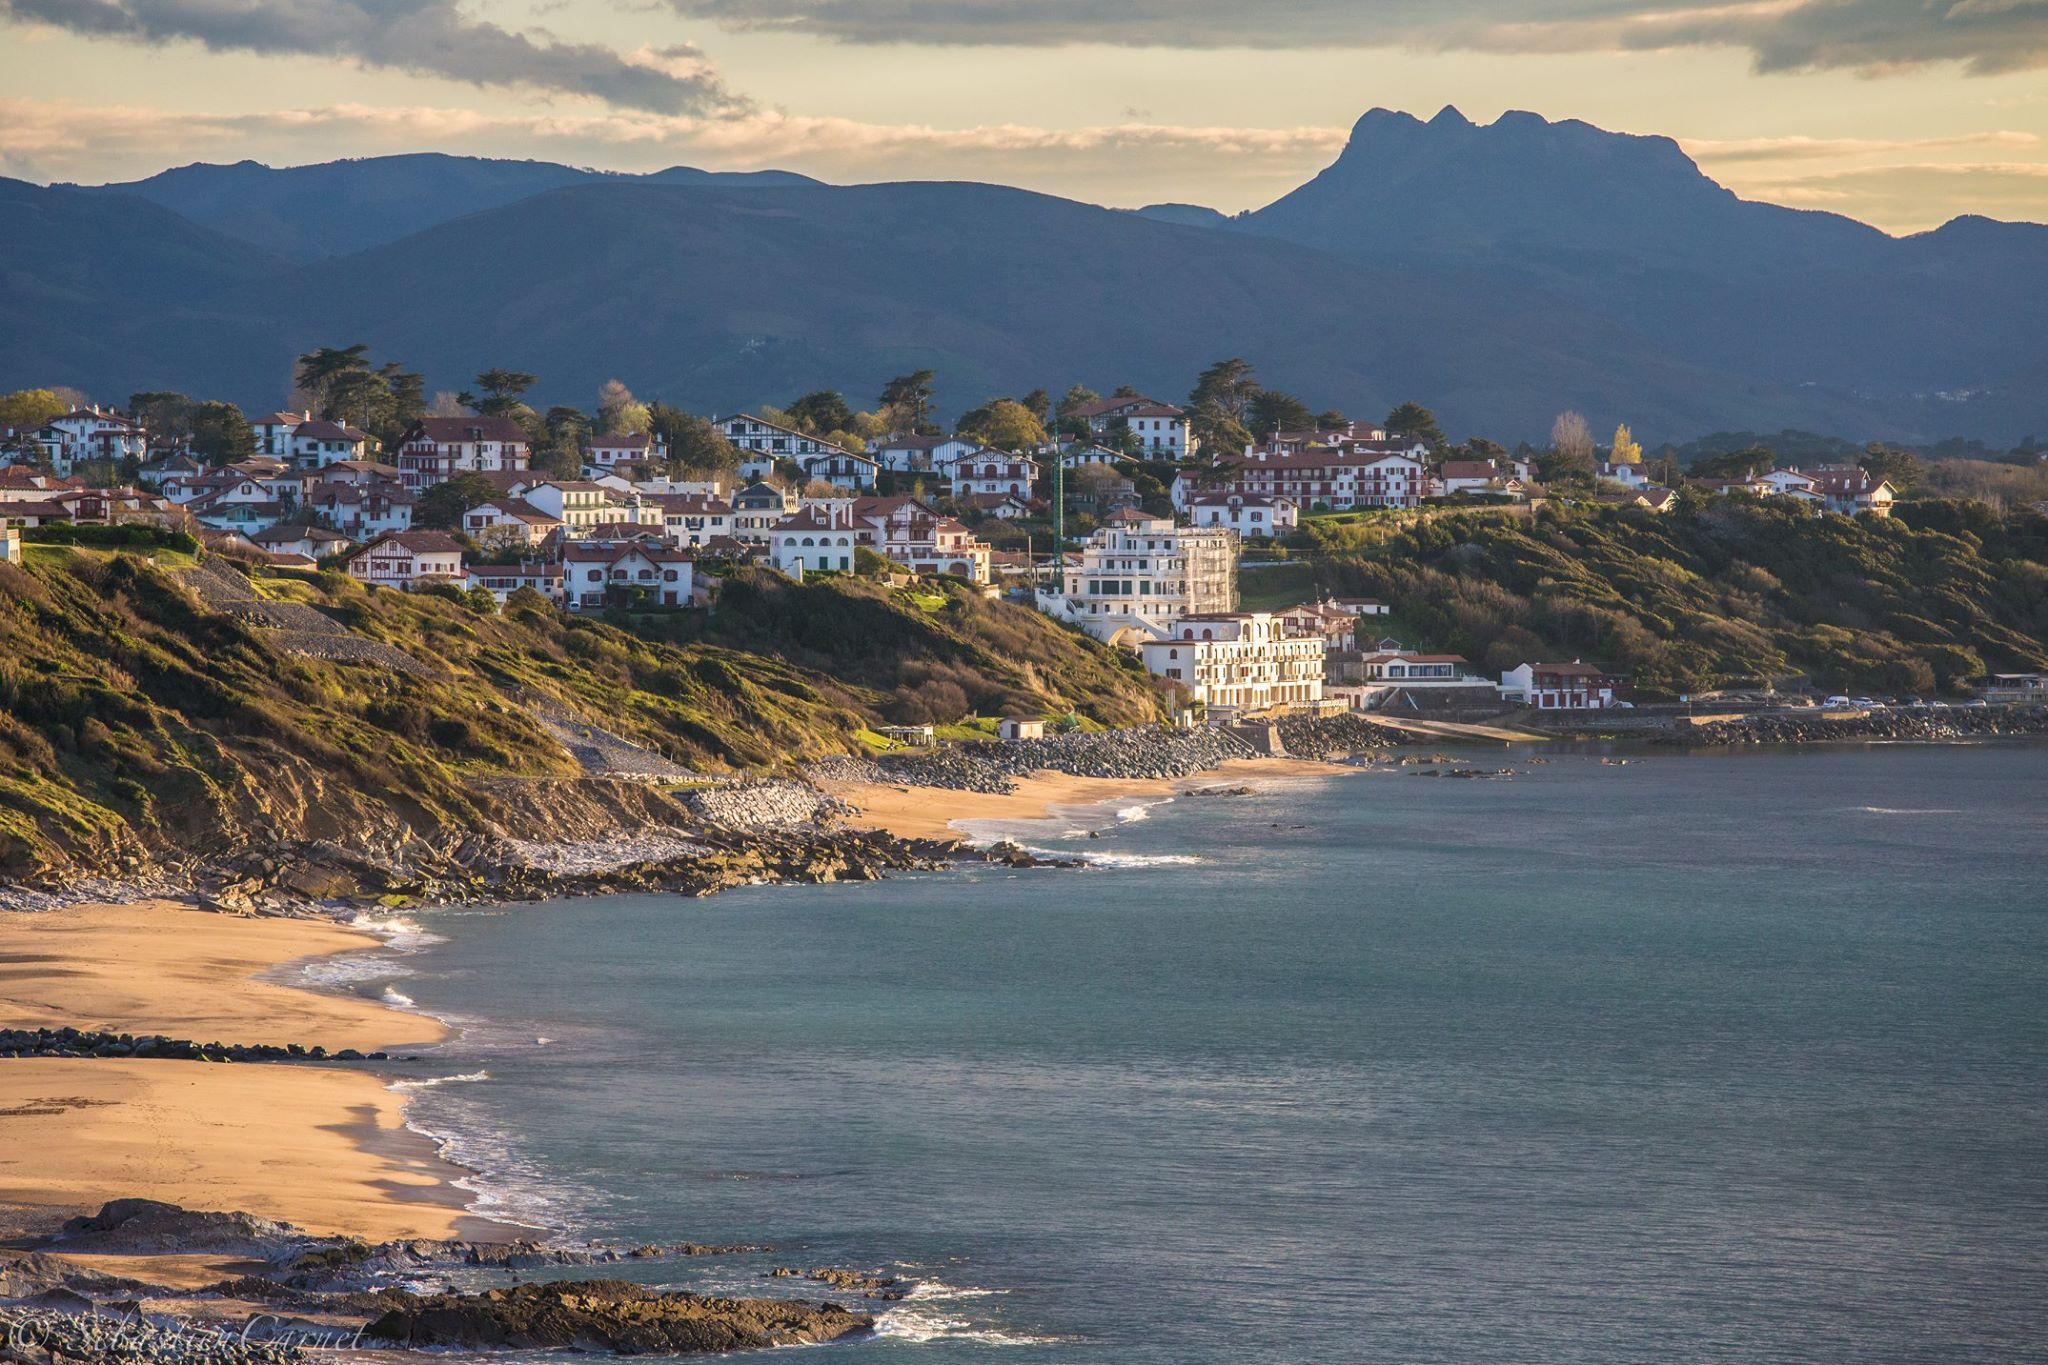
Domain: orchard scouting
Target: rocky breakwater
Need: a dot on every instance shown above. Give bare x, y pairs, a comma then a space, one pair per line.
1345, 736
994, 768
610, 1315
1960, 723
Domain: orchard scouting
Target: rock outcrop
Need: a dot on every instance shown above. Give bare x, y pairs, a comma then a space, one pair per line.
611, 1315
139, 1227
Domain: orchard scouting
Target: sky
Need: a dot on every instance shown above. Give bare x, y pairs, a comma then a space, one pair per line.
1903, 113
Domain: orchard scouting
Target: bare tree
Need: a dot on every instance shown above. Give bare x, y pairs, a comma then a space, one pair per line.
1572, 439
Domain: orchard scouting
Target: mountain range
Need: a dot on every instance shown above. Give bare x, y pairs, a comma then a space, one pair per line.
1497, 273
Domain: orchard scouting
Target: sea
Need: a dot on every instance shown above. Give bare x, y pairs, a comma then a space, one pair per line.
1627, 1056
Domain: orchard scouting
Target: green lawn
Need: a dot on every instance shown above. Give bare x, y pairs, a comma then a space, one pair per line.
1275, 588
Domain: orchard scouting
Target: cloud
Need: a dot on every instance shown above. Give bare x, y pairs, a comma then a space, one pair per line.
1722, 150
423, 37
1869, 35
1910, 196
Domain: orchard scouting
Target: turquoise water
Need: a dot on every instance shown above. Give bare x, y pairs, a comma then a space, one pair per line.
1704, 1058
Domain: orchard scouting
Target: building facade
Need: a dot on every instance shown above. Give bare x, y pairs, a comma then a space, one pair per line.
1237, 663
1133, 580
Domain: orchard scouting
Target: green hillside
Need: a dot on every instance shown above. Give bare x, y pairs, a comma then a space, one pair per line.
137, 722
1719, 594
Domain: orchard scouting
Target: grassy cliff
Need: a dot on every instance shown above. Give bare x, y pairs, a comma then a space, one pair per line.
137, 722
1732, 591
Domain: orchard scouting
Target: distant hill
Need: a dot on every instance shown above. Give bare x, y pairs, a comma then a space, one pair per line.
307, 212
113, 294
1628, 227
1499, 274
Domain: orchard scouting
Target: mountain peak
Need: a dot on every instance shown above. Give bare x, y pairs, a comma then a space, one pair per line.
1449, 117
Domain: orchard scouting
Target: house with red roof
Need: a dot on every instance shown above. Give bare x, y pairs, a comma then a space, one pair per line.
402, 559
436, 449
646, 568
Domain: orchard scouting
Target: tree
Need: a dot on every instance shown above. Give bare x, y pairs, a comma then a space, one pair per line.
619, 413
1008, 425
1736, 464
162, 411
1227, 386
1272, 410
441, 507
821, 413
1624, 450
1901, 467
1040, 403
408, 392
325, 367
1217, 431
339, 385
693, 443
560, 449
31, 407
1414, 421
1571, 442
502, 389
220, 434
1329, 419
1067, 412
907, 399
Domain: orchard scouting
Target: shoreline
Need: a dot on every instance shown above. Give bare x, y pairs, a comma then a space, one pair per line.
910, 812
322, 1146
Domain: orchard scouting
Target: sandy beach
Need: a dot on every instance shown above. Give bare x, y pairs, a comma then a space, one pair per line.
322, 1147
318, 1146
939, 813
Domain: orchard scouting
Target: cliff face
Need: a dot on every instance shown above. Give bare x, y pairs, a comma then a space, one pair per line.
153, 715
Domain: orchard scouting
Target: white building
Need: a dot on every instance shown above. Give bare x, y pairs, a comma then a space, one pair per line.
762, 442
274, 433
436, 449
315, 444
1134, 579
984, 470
1558, 687
906, 531
919, 454
403, 558
632, 448
509, 521
1234, 663
843, 469
363, 510
1321, 476
577, 504
90, 434
691, 518
1252, 515
313, 542
1161, 429
1631, 475
502, 580
813, 537
757, 508
10, 543
646, 568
